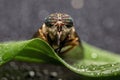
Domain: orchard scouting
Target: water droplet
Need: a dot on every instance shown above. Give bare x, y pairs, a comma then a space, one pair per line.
45, 71
32, 73
13, 64
4, 78
77, 4
98, 73
113, 65
59, 79
54, 74
86, 69
82, 70
102, 68
106, 72
81, 66
94, 73
94, 55
93, 68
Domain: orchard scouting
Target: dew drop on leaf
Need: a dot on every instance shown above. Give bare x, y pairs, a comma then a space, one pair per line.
98, 73
82, 70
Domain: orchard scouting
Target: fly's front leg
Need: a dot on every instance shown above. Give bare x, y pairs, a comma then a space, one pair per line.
72, 43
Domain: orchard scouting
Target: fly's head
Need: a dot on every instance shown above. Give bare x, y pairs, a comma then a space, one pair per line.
59, 25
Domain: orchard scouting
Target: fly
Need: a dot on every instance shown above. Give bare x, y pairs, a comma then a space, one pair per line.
58, 30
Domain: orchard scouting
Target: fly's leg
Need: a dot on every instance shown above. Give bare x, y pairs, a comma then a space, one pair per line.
72, 43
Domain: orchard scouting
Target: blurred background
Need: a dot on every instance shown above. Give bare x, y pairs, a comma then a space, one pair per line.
96, 21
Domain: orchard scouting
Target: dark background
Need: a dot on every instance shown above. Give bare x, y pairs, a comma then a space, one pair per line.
96, 21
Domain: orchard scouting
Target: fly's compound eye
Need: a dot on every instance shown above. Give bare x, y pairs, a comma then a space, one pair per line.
69, 23
48, 22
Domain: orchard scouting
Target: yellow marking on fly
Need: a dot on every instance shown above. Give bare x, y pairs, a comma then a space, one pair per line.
59, 16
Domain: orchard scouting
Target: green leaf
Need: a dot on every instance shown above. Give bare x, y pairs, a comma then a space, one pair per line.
88, 62
96, 62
